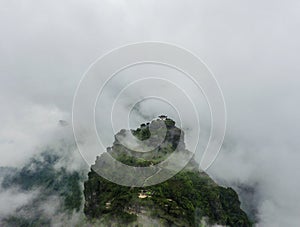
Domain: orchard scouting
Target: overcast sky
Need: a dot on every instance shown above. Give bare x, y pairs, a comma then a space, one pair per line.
252, 47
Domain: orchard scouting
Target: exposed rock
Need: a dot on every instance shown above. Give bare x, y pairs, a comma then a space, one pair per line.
190, 198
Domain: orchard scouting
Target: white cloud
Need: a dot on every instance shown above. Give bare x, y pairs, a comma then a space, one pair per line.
251, 46
12, 199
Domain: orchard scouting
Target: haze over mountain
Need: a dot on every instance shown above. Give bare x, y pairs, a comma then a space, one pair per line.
252, 48
53, 193
190, 198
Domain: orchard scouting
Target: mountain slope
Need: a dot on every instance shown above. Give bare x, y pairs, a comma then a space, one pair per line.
53, 191
190, 198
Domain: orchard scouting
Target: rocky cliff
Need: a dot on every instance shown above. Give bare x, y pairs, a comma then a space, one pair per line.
189, 198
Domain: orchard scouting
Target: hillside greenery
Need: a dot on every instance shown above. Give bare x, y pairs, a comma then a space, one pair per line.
183, 200
42, 174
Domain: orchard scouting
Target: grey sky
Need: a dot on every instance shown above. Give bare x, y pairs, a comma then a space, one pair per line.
252, 48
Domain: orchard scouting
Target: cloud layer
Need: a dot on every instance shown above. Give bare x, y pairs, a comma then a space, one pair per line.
251, 46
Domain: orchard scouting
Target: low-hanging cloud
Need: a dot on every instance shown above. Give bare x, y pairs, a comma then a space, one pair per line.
251, 46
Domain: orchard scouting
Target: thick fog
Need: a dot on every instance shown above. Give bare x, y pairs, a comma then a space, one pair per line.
252, 48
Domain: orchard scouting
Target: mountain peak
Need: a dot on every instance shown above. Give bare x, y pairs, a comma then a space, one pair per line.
149, 144
189, 198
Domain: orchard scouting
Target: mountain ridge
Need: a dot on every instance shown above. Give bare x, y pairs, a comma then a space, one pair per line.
189, 198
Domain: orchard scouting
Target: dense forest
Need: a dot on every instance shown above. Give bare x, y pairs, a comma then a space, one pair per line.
190, 198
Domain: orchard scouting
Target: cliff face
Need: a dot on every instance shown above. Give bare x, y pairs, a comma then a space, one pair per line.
190, 198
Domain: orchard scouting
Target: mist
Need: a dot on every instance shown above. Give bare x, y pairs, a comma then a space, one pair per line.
251, 47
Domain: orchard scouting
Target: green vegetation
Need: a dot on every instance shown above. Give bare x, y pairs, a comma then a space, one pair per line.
175, 200
51, 181
41, 173
183, 200
190, 198
26, 222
